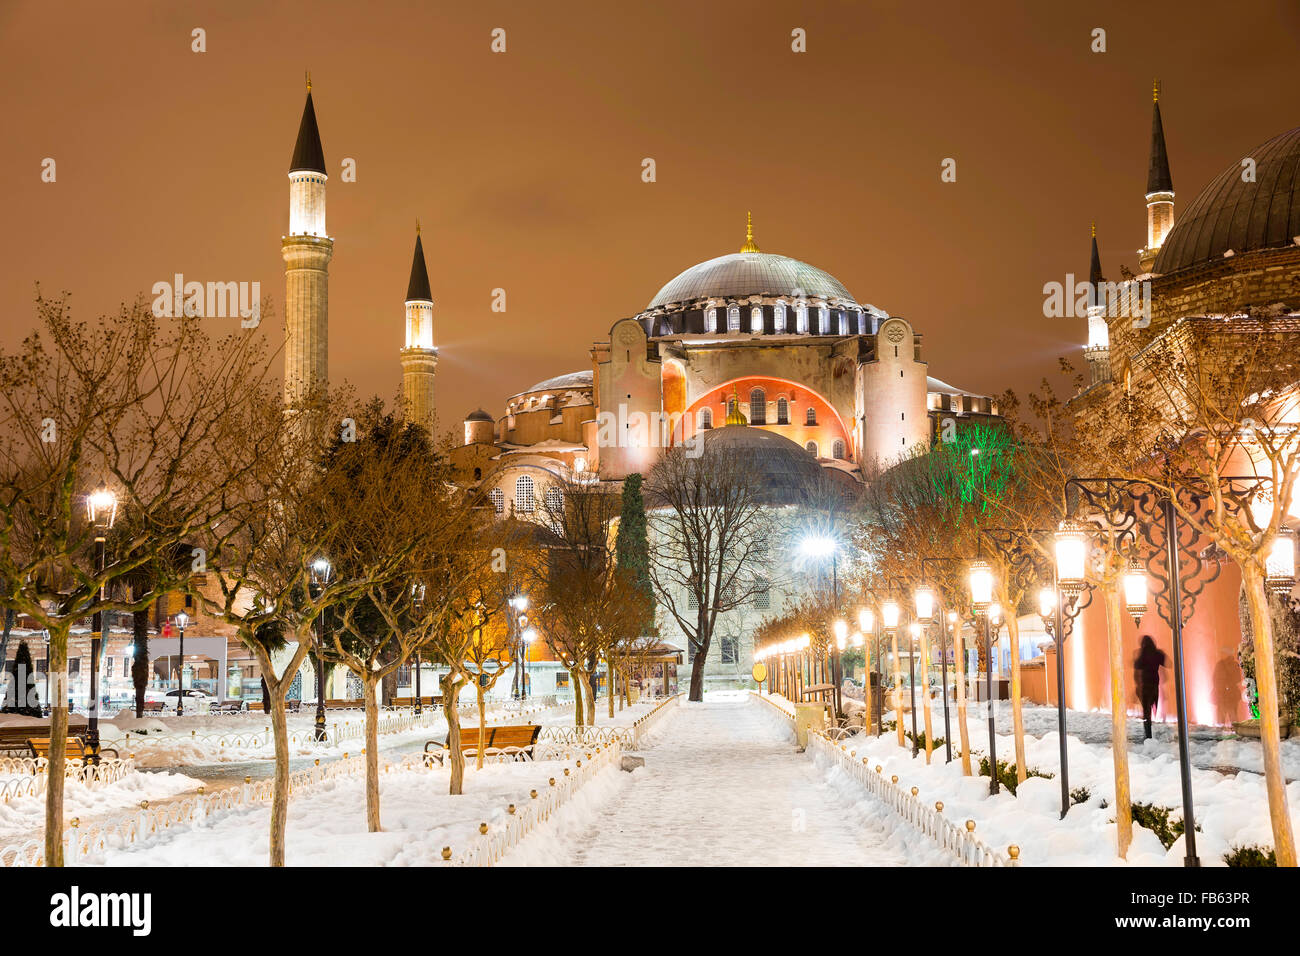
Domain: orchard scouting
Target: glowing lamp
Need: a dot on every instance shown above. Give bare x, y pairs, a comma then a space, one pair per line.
889, 614
867, 619
320, 570
995, 613
857, 639
1046, 601
101, 506
529, 635
182, 620
841, 631
914, 629
1071, 556
924, 603
1135, 590
1280, 564
981, 585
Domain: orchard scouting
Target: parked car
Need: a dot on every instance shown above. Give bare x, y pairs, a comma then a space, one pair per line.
195, 699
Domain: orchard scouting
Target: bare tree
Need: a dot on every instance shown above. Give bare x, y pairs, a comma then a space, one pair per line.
709, 530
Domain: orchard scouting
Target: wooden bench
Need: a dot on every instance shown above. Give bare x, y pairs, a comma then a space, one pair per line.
15, 739
509, 739
344, 704
153, 706
813, 690
74, 748
425, 701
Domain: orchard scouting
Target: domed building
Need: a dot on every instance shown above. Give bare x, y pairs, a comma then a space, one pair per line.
1232, 256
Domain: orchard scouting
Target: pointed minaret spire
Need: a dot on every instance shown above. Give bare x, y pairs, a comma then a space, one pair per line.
417, 290
420, 355
1094, 270
308, 156
1098, 350
1160, 187
1158, 178
749, 245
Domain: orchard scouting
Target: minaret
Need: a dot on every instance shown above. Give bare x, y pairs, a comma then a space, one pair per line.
307, 251
1160, 188
1098, 350
419, 357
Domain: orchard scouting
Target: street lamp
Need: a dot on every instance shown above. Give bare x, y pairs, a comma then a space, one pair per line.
1279, 567
528, 636
182, 620
101, 511
417, 602
320, 576
1135, 590
889, 612
519, 604
867, 622
914, 631
1071, 557
981, 599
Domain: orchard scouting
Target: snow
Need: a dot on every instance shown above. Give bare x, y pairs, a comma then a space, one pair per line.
723, 786
24, 819
1231, 808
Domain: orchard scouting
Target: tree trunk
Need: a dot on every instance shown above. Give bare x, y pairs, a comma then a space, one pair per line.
450, 693
1017, 712
58, 670
579, 713
1269, 730
868, 714
280, 782
1118, 718
590, 701
959, 662
898, 690
140, 660
482, 725
697, 675
370, 688
609, 675
4, 640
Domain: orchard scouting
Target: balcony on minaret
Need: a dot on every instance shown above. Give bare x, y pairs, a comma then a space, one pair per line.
307, 204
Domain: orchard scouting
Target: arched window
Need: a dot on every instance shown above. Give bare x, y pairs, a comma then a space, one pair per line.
706, 418
733, 318
756, 320
801, 320
498, 500
837, 449
525, 503
811, 448
757, 407
782, 411
554, 502
478, 474
812, 415
844, 323
778, 318
711, 320
823, 320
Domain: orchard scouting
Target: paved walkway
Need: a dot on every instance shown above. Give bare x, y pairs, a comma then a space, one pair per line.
724, 786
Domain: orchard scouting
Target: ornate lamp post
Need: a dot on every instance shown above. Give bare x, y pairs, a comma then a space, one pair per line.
519, 604
182, 620
889, 618
925, 606
417, 601
320, 576
528, 636
101, 510
981, 598
867, 621
913, 634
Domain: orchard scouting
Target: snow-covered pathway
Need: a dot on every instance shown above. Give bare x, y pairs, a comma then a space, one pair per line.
724, 786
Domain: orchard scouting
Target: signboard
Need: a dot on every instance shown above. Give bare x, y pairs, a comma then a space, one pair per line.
759, 672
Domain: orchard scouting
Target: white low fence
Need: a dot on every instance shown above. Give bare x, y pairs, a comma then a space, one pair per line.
629, 737
27, 776
958, 840
498, 838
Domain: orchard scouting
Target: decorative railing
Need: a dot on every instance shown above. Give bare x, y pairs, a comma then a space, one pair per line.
552, 739
27, 776
514, 822
958, 840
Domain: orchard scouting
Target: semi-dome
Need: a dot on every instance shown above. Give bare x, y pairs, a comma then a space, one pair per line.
751, 273
785, 471
479, 415
583, 379
1230, 214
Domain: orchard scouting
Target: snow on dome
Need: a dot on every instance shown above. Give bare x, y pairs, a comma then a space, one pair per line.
751, 273
582, 379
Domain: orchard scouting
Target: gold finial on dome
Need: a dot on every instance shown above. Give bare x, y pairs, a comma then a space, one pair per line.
1155, 91
734, 415
749, 234
417, 225
309, 81
1094, 230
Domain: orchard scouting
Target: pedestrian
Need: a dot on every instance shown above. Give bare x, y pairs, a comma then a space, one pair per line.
1146, 668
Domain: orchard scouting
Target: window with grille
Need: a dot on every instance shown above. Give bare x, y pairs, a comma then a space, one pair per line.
778, 318
706, 418
525, 503
811, 448
728, 648
555, 501
498, 500
837, 450
692, 602
812, 415
762, 593
733, 319
782, 411
757, 407
756, 320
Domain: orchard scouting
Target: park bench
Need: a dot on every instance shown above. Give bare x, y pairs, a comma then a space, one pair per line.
231, 707
819, 692
74, 748
339, 704
425, 701
15, 739
153, 706
509, 739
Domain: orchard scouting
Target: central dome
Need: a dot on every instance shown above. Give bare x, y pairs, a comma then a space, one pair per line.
751, 273
1230, 214
784, 471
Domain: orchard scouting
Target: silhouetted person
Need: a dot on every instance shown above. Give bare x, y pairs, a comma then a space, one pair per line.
1146, 668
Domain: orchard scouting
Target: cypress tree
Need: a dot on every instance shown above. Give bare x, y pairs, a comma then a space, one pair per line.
25, 700
631, 544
